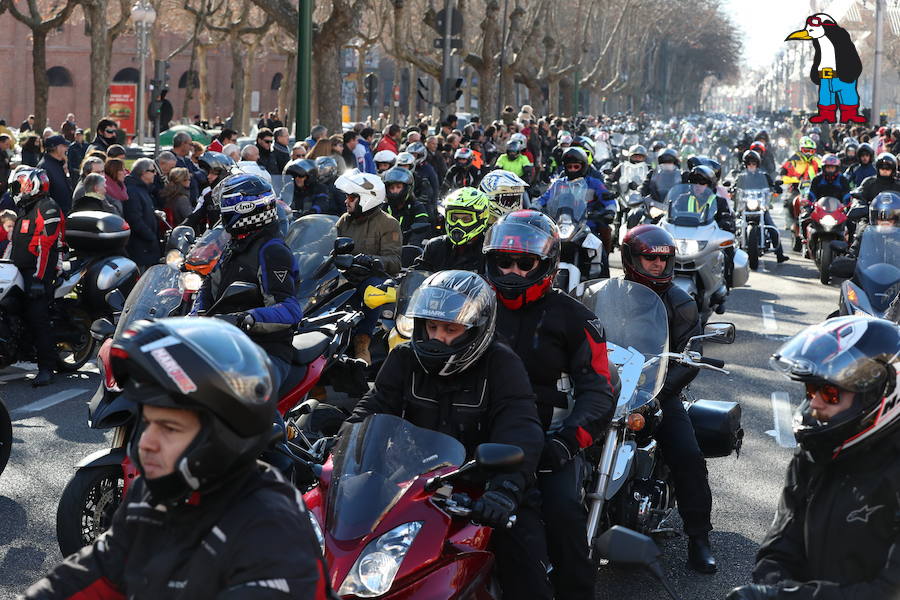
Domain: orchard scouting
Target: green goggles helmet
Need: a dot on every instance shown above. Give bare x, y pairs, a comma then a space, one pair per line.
466, 213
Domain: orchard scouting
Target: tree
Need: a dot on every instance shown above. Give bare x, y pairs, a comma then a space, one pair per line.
96, 13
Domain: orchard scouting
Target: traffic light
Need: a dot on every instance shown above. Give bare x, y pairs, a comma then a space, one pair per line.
452, 91
371, 83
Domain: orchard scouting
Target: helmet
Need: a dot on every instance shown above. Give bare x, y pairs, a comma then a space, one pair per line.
522, 232
850, 144
885, 208
515, 147
758, 147
466, 213
27, 184
751, 156
807, 146
645, 240
216, 163
207, 366
464, 156
575, 155
327, 169
669, 155
369, 188
398, 175
459, 297
506, 191
831, 160
562, 133
855, 354
419, 152
302, 167
518, 137
886, 160
385, 157
246, 203
586, 144
703, 174
865, 148
657, 145
565, 140
407, 160
249, 167
638, 150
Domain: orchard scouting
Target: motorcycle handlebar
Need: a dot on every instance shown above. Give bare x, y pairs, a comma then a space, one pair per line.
715, 362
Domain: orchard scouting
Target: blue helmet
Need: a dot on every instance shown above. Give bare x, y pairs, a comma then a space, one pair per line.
246, 203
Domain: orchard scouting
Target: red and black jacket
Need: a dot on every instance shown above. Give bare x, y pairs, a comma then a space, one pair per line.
36, 237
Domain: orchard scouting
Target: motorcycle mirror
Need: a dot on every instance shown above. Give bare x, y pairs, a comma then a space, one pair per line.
839, 246
181, 239
343, 261
116, 300
343, 245
499, 457
842, 267
102, 329
721, 333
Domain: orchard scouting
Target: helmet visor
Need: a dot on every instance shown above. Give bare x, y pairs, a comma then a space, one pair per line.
450, 306
519, 238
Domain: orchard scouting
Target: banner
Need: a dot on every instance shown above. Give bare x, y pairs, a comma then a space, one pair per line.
123, 106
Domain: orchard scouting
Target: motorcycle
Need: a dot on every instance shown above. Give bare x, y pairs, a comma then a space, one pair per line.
873, 278
391, 513
699, 261
824, 224
793, 208
393, 298
653, 207
630, 179
751, 203
582, 256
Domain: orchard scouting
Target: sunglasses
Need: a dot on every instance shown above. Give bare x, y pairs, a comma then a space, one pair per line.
655, 257
109, 131
269, 141
830, 393
525, 263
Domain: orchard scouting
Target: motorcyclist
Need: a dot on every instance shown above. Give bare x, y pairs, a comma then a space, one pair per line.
217, 167
885, 179
835, 533
802, 165
648, 258
830, 182
703, 178
205, 519
384, 160
377, 239
466, 212
507, 192
848, 154
462, 173
563, 347
667, 161
554, 159
403, 205
766, 156
457, 377
864, 167
637, 155
256, 254
515, 161
310, 196
327, 172
424, 169
751, 162
421, 185
35, 240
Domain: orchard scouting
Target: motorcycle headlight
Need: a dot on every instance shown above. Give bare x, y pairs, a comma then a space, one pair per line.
373, 572
189, 282
828, 221
404, 326
566, 227
752, 204
685, 247
317, 529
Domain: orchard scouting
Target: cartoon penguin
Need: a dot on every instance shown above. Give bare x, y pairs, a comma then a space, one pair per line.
835, 69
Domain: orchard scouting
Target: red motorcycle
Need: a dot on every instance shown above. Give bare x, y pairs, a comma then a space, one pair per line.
391, 513
822, 223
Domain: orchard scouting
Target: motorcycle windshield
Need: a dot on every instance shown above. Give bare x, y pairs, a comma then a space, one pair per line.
311, 239
752, 181
631, 173
207, 250
665, 181
155, 296
569, 197
283, 186
411, 282
633, 316
617, 139
375, 462
691, 205
878, 266
829, 204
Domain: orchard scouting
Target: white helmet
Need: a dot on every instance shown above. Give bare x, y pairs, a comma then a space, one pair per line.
506, 191
518, 136
406, 159
385, 156
251, 167
369, 188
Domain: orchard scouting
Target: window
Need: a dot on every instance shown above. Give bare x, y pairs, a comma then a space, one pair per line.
127, 75
195, 80
276, 81
59, 77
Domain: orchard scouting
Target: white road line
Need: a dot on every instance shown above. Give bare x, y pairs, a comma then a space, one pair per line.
14, 376
50, 400
781, 412
768, 317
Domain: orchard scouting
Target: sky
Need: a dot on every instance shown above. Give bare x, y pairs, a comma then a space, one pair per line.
764, 24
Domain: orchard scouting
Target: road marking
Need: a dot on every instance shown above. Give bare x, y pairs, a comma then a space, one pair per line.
781, 413
762, 266
51, 400
768, 317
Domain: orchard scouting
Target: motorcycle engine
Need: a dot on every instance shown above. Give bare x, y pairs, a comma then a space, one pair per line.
11, 331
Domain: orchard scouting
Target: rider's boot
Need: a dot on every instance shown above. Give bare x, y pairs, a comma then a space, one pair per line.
700, 556
361, 343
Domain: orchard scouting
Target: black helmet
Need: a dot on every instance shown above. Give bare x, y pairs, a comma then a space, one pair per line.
207, 366
398, 175
669, 155
855, 354
459, 297
246, 203
702, 174
865, 148
302, 167
886, 160
575, 155
327, 168
648, 240
885, 208
699, 160
751, 156
216, 163
522, 232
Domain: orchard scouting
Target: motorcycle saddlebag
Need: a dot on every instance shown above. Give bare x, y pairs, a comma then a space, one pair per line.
741, 268
717, 426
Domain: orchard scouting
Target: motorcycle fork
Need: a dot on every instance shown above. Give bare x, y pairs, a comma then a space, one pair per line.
604, 471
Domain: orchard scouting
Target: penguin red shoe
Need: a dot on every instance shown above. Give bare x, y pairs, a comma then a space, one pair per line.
827, 114
849, 114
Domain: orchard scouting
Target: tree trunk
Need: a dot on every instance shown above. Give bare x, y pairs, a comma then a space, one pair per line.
249, 57
327, 81
95, 14
411, 96
203, 74
284, 107
41, 85
189, 84
553, 93
360, 81
237, 80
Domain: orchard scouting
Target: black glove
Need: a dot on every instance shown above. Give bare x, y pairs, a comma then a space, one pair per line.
363, 260
632, 186
36, 290
559, 449
753, 592
243, 321
494, 508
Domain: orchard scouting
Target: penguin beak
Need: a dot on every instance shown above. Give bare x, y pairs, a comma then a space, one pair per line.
801, 34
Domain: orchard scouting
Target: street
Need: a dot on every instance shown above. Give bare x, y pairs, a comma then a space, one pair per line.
51, 435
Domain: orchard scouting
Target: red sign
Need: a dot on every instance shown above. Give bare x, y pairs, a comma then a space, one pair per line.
123, 105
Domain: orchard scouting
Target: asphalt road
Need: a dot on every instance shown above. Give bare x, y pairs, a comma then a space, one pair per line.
51, 435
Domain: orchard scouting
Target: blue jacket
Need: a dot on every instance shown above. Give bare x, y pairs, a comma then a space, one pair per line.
370, 159
143, 244
59, 183
858, 173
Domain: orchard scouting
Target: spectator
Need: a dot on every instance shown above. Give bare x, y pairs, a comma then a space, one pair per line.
351, 143
68, 128
197, 150
261, 122
218, 123
143, 244
116, 151
182, 147
364, 147
317, 133
8, 221
27, 124
413, 136
176, 196
895, 142
31, 150
337, 151
166, 161
6, 144
274, 121
267, 159
116, 193
91, 164
435, 158
322, 148
54, 163
280, 148
94, 197
250, 153
75, 155
106, 135
227, 136
299, 150
391, 139
166, 112
232, 151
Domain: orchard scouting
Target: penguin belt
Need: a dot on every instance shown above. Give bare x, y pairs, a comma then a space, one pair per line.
827, 74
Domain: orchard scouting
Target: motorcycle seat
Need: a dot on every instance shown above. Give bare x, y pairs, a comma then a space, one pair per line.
309, 346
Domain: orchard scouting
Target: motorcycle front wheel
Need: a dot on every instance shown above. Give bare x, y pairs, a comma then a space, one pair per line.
5, 436
825, 262
87, 505
72, 353
753, 248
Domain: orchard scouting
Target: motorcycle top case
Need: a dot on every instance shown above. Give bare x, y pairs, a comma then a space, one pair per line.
96, 232
717, 426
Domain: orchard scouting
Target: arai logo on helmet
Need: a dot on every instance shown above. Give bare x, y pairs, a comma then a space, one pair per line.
244, 207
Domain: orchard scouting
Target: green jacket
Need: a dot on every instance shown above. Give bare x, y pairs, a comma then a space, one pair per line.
376, 234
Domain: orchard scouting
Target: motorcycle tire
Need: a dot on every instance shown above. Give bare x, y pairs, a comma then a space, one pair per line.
796, 242
71, 357
87, 506
5, 436
825, 259
753, 248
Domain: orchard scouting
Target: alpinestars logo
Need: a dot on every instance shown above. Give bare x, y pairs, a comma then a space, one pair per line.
862, 514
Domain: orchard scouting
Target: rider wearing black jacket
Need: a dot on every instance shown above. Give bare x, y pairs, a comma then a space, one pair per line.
457, 378
648, 258
563, 347
467, 213
216, 167
402, 204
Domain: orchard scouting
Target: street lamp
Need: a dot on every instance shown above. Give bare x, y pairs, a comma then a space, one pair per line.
144, 15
